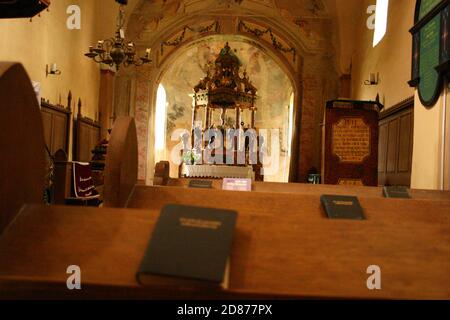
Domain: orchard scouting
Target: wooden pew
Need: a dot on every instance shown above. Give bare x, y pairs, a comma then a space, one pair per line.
273, 255
162, 179
22, 146
121, 163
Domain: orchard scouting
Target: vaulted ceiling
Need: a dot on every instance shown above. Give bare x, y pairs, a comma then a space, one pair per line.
315, 19
151, 14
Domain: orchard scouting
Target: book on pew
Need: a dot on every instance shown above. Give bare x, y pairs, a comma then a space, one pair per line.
396, 192
202, 184
342, 207
189, 246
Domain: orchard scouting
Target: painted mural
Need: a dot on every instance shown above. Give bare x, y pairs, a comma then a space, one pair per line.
274, 92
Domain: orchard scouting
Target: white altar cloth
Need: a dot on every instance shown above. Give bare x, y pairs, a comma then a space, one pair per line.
217, 171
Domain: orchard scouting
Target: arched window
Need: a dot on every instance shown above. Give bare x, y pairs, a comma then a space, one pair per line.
381, 20
291, 123
160, 124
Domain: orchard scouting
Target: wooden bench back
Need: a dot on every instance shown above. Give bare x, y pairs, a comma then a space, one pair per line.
296, 253
162, 179
22, 146
121, 163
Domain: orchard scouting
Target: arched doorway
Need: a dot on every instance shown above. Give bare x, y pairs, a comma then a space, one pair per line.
275, 104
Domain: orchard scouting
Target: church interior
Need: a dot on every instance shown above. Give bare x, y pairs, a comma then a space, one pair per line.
305, 144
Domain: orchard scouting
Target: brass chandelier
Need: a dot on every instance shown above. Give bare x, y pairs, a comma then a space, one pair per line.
116, 51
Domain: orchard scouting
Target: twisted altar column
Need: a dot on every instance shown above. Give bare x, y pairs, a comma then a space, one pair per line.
253, 118
238, 118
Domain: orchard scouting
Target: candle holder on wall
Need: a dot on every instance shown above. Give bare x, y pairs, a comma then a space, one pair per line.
373, 79
53, 70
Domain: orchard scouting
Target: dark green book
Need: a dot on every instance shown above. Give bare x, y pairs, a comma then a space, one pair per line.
396, 192
202, 184
342, 207
189, 245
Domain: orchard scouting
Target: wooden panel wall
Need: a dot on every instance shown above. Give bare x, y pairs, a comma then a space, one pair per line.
56, 123
88, 135
85, 137
396, 144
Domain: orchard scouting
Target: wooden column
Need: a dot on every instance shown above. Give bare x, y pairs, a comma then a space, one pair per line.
105, 101
253, 118
194, 116
211, 111
223, 116
238, 117
207, 111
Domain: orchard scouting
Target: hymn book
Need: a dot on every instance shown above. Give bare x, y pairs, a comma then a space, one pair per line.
189, 246
202, 184
342, 207
396, 192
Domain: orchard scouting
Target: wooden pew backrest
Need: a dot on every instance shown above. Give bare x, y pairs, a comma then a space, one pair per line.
22, 146
162, 179
121, 163
162, 170
297, 254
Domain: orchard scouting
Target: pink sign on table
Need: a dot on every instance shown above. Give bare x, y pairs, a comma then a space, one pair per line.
233, 184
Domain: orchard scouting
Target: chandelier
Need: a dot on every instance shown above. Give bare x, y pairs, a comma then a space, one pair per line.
116, 51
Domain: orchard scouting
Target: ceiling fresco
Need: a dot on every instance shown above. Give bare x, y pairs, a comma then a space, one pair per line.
154, 15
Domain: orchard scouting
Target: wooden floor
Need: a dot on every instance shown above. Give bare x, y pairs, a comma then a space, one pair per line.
284, 246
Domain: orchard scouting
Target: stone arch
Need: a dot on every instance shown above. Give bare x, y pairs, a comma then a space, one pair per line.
264, 28
157, 75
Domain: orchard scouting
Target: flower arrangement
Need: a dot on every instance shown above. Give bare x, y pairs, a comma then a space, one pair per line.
190, 157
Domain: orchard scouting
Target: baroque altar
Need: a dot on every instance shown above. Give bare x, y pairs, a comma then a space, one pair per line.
225, 150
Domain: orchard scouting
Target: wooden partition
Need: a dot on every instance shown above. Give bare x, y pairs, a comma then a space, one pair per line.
86, 135
162, 179
396, 144
22, 165
56, 122
121, 163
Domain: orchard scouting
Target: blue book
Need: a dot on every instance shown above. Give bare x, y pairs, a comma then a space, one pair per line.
189, 245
